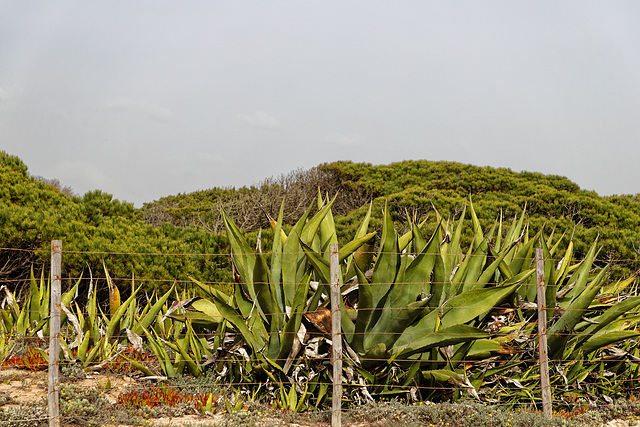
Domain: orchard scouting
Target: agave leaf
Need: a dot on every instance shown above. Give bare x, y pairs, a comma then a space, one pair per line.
114, 322
488, 274
474, 303
374, 354
157, 347
310, 230
440, 375
197, 318
419, 242
139, 366
418, 273
45, 292
83, 347
292, 399
327, 230
293, 259
265, 294
408, 345
515, 230
147, 318
459, 272
582, 271
362, 231
320, 264
241, 255
207, 314
392, 323
246, 306
93, 353
180, 349
498, 242
609, 316
523, 253
475, 266
92, 314
483, 348
440, 279
365, 310
387, 264
348, 249
257, 339
405, 240
66, 299
22, 322
114, 293
34, 298
506, 254
557, 333
599, 341
455, 251
7, 322
208, 289
563, 269
276, 260
619, 285
209, 308
197, 344
292, 325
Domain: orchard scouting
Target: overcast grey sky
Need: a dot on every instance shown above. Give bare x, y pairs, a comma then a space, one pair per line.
145, 99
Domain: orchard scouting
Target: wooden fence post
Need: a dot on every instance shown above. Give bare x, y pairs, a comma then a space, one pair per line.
54, 334
336, 336
542, 335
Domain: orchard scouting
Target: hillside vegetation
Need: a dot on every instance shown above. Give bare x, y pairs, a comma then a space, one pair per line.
35, 211
415, 187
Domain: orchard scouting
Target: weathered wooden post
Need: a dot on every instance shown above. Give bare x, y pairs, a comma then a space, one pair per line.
54, 337
336, 336
542, 335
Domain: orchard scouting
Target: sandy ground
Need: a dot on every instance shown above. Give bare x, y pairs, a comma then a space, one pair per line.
23, 387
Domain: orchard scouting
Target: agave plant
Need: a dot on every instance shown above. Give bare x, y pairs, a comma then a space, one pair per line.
585, 318
272, 294
420, 315
423, 295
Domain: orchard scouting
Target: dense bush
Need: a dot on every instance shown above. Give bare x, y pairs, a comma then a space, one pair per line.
33, 212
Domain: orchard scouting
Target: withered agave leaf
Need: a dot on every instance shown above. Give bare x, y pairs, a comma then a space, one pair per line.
321, 319
177, 305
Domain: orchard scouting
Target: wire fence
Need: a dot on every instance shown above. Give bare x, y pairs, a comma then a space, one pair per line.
512, 319
268, 253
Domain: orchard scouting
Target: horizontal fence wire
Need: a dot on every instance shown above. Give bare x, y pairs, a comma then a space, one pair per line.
268, 254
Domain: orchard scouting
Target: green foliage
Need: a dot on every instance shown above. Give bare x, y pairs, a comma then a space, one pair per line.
551, 200
423, 316
32, 213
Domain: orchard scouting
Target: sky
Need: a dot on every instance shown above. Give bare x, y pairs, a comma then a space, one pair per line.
145, 99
